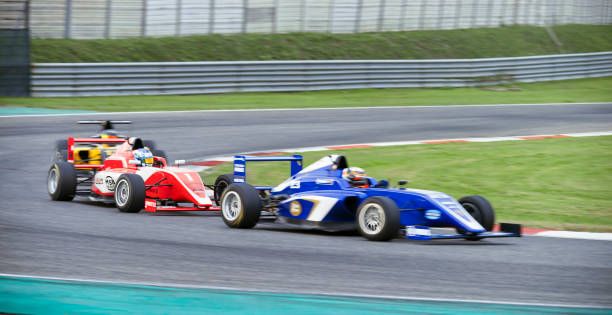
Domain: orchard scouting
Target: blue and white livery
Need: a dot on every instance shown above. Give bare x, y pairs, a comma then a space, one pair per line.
318, 196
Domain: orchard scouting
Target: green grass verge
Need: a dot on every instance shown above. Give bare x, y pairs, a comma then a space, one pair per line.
570, 91
562, 183
439, 44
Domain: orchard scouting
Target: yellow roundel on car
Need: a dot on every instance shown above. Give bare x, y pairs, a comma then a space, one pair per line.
295, 208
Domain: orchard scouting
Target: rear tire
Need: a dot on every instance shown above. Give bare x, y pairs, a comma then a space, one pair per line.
221, 184
130, 193
480, 209
377, 219
62, 181
61, 155
61, 145
240, 206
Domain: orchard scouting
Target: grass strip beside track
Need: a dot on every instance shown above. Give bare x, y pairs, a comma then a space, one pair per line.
39, 296
568, 91
509, 41
561, 183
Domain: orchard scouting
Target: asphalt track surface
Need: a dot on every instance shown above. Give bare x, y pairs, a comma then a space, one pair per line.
91, 241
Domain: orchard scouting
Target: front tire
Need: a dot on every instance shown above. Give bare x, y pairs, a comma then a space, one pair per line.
62, 181
240, 206
480, 209
130, 193
221, 184
378, 219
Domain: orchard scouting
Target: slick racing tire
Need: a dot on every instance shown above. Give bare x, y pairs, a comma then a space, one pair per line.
61, 155
61, 150
480, 209
377, 219
61, 144
221, 184
62, 181
240, 206
130, 193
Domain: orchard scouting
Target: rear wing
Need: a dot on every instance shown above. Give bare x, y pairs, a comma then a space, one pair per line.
106, 124
72, 141
240, 164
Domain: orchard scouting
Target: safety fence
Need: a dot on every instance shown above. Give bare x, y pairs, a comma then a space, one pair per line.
14, 48
157, 78
141, 18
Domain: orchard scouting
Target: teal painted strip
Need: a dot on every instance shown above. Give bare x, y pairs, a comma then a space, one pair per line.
12, 111
39, 296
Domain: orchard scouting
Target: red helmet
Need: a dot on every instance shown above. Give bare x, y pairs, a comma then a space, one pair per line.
356, 176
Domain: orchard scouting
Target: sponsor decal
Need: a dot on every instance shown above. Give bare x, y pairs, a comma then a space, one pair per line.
413, 230
432, 214
110, 183
150, 203
321, 181
295, 208
295, 184
99, 180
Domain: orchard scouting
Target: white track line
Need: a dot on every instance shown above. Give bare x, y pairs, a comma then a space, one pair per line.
320, 293
303, 109
576, 235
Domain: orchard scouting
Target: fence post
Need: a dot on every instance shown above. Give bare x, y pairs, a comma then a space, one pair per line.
381, 15
68, 19
422, 15
440, 13
275, 25
474, 8
211, 16
358, 16
458, 14
516, 8
490, 13
330, 17
143, 21
245, 8
402, 25
303, 18
177, 23
107, 18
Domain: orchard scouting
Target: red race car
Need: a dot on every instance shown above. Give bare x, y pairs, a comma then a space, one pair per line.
132, 178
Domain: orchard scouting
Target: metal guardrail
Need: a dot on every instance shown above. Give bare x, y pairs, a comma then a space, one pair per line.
158, 78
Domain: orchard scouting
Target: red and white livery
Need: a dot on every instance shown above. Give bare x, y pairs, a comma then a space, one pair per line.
122, 179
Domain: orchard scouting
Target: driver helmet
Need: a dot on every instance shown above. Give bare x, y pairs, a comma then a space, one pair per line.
356, 176
144, 156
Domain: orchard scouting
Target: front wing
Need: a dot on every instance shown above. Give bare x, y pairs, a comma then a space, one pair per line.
423, 233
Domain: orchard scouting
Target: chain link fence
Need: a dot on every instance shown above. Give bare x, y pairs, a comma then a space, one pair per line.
141, 18
14, 48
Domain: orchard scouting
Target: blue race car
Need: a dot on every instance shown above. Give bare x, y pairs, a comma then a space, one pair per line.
330, 195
